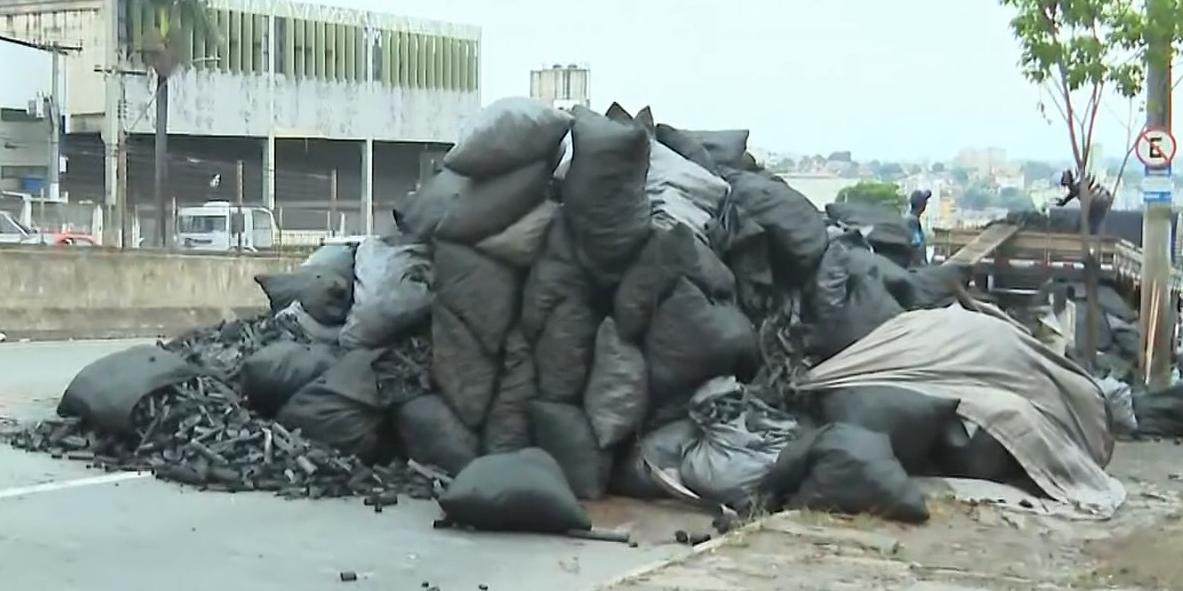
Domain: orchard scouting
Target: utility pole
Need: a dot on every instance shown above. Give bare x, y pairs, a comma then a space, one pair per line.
1157, 311
54, 114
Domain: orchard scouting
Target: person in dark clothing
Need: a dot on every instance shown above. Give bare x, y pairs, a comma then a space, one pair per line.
917, 203
1102, 198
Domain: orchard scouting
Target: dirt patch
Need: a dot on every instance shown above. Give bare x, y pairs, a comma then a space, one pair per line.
1147, 558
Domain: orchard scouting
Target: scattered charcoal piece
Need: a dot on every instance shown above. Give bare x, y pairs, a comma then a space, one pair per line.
697, 539
348, 576
483, 587
681, 537
441, 524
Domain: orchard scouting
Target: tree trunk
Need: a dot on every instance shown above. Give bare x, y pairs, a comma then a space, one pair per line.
1091, 274
160, 179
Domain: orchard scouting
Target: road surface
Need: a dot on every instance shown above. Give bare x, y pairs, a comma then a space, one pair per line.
67, 527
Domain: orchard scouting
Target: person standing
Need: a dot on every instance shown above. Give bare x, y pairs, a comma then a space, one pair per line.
917, 203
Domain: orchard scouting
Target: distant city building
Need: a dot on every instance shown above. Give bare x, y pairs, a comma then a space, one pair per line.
561, 86
820, 188
982, 162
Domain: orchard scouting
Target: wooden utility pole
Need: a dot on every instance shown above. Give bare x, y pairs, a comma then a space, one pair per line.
1157, 310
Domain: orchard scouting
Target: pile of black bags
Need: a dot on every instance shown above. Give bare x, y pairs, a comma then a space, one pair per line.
580, 294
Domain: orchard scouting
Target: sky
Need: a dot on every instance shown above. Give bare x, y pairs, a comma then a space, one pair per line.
899, 79
908, 80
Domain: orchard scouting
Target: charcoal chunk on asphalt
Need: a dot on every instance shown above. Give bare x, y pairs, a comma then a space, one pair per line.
564, 432
507, 426
848, 469
344, 409
692, 339
491, 205
507, 134
465, 373
275, 373
482, 292
105, 392
604, 199
432, 435
391, 294
617, 396
914, 422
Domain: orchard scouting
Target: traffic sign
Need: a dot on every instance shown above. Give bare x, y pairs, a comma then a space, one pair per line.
1157, 185
1156, 148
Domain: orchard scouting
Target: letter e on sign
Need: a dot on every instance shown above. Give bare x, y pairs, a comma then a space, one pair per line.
1156, 148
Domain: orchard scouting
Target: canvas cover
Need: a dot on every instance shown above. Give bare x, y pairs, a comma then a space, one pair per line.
1043, 408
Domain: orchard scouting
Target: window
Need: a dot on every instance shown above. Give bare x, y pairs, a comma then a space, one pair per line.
201, 224
262, 221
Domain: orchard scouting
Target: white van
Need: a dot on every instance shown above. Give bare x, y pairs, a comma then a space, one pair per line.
222, 226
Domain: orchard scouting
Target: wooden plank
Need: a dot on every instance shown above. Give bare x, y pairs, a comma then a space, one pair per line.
983, 244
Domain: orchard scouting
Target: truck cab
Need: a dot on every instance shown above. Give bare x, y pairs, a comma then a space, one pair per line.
222, 226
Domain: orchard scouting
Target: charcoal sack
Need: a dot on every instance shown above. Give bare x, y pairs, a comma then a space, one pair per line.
465, 374
508, 134
391, 294
104, 393
564, 351
795, 229
564, 432
483, 293
617, 394
273, 374
515, 491
419, 214
661, 449
913, 422
507, 426
520, 243
686, 146
490, 205
432, 435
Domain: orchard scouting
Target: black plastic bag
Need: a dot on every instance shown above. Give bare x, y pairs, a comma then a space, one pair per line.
726, 147
889, 234
914, 422
322, 292
555, 277
273, 374
432, 435
564, 350
617, 394
518, 491
521, 242
343, 408
391, 294
979, 455
686, 145
466, 375
1160, 413
482, 292
604, 199
507, 427
669, 255
852, 470
419, 214
663, 449
564, 432
491, 205
693, 339
937, 286
739, 441
796, 230
104, 393
508, 134
744, 246
843, 307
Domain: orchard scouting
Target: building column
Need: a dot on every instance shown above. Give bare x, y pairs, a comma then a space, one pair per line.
367, 185
269, 172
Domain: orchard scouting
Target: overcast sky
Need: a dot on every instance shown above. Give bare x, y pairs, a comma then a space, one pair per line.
908, 79
899, 79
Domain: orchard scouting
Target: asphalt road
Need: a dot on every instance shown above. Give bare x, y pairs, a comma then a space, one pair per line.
66, 527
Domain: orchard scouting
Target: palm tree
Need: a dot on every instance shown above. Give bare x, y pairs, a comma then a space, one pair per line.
166, 50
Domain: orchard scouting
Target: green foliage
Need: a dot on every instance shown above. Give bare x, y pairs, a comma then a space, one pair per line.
938, 167
961, 176
977, 197
1015, 199
874, 192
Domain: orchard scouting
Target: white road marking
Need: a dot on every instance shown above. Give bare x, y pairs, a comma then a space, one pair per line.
21, 491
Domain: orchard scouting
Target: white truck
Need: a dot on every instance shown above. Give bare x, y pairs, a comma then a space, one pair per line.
223, 226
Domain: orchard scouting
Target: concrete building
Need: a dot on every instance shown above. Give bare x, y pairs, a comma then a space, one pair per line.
295, 91
562, 87
24, 134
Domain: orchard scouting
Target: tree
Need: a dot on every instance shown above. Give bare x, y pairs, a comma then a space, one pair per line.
961, 176
167, 50
1015, 199
978, 197
873, 192
1079, 50
937, 167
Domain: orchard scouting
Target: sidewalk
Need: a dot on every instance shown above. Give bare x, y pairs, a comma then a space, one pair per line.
964, 545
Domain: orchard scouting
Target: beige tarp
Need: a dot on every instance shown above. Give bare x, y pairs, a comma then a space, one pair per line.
1043, 408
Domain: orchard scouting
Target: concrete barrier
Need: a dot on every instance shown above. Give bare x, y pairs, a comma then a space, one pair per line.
54, 293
